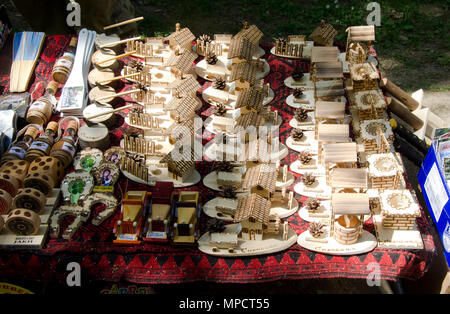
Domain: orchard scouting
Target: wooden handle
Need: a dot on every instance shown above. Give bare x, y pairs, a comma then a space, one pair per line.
120, 42
108, 112
117, 57
117, 78
137, 19
119, 94
404, 113
399, 93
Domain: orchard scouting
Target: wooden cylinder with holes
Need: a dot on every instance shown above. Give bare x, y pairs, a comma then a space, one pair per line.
44, 174
5, 202
66, 147
21, 221
96, 76
31, 199
347, 231
104, 54
17, 169
9, 183
41, 110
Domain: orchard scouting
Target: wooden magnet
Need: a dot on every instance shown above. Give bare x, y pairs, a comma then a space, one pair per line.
22, 221
31, 199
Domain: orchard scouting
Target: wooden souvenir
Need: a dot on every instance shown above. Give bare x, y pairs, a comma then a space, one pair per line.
385, 171
181, 39
114, 155
42, 145
108, 118
107, 174
359, 41
105, 76
364, 76
204, 45
159, 218
128, 228
2, 223
41, 110
327, 71
5, 202
370, 132
16, 168
9, 184
102, 92
333, 133
400, 94
95, 136
370, 104
111, 41
88, 159
323, 35
44, 173
292, 47
22, 221
109, 201
40, 181
401, 111
31, 199
329, 110
329, 90
348, 179
76, 186
186, 214
181, 64
100, 60
63, 66
261, 180
80, 214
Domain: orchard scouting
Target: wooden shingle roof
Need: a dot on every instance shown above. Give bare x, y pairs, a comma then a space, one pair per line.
324, 54
350, 204
186, 86
251, 33
263, 175
253, 206
183, 37
251, 98
182, 62
352, 178
361, 33
243, 71
184, 107
324, 34
241, 48
248, 119
338, 133
340, 152
178, 165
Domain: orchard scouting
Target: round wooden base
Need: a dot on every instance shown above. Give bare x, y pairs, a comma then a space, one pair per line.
270, 244
308, 125
366, 243
305, 83
319, 190
307, 143
312, 167
307, 101
193, 179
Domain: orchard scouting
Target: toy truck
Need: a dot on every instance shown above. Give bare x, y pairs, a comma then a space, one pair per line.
186, 214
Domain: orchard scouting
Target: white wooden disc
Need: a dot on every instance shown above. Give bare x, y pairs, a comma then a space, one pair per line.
308, 125
366, 243
323, 213
104, 54
312, 167
222, 71
259, 53
271, 244
210, 210
290, 180
305, 83
102, 91
95, 136
308, 96
193, 179
210, 181
321, 189
96, 76
307, 142
102, 39
96, 108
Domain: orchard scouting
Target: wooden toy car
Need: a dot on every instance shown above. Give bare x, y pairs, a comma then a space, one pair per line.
159, 215
186, 213
129, 226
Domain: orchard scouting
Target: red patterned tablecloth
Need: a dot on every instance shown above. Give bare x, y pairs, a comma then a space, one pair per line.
153, 264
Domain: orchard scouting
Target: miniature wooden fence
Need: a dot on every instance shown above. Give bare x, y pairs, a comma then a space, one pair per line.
203, 48
135, 168
287, 49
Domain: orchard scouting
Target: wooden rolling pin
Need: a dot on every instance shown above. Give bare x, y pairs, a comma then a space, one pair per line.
118, 78
117, 57
404, 113
115, 43
119, 94
399, 93
137, 19
108, 112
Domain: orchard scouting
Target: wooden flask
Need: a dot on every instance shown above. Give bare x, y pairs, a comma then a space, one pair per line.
63, 66
41, 110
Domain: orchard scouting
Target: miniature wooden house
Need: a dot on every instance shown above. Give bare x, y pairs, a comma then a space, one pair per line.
252, 33
184, 129
250, 99
359, 41
179, 168
182, 109
261, 180
183, 87
327, 71
292, 47
329, 110
371, 131
253, 213
241, 50
181, 39
341, 154
324, 63
180, 63
370, 104
364, 76
344, 179
399, 209
323, 35
227, 206
324, 54
352, 207
244, 74
385, 171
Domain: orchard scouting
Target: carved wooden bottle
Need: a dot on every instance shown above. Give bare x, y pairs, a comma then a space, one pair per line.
63, 65
19, 149
42, 145
66, 147
41, 110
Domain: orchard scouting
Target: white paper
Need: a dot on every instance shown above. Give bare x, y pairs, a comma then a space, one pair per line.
436, 192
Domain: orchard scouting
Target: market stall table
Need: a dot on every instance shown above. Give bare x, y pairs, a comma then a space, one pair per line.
149, 263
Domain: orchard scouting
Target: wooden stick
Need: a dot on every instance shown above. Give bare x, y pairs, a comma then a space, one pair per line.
399, 93
117, 57
117, 78
108, 112
137, 19
404, 113
120, 42
119, 94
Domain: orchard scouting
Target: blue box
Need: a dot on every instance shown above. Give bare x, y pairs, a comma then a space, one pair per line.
437, 196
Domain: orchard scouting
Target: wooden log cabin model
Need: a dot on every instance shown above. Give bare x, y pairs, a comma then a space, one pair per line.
349, 172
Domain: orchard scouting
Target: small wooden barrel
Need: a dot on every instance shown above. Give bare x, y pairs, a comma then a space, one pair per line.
5, 202
9, 183
16, 168
31, 199
104, 54
41, 147
108, 120
22, 221
347, 234
51, 166
63, 66
102, 91
96, 76
95, 136
41, 110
